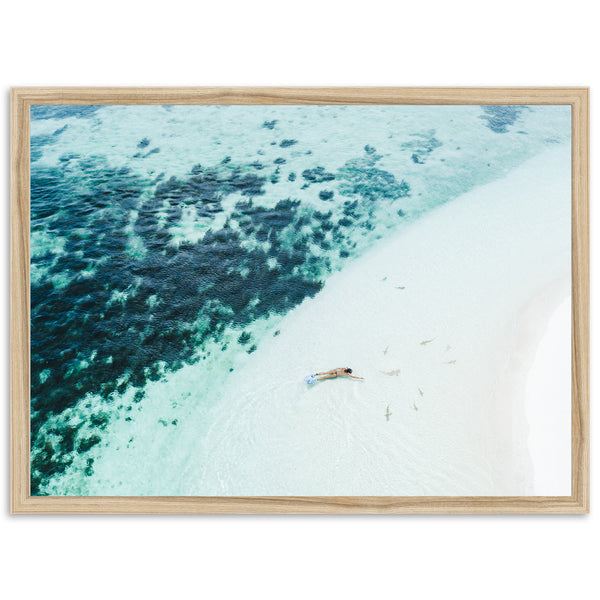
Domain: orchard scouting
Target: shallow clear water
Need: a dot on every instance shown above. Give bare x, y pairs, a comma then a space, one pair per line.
168, 241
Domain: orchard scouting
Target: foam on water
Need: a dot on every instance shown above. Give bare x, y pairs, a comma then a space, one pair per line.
167, 242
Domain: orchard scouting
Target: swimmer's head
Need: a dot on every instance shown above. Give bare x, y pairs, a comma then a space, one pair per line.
348, 370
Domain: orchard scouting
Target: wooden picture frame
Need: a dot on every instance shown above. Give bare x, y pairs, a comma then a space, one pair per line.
21, 499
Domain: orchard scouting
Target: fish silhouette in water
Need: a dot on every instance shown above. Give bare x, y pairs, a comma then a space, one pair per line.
400, 287
425, 342
388, 414
396, 372
420, 392
386, 349
450, 362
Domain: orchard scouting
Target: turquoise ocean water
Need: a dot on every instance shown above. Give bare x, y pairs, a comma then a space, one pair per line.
169, 240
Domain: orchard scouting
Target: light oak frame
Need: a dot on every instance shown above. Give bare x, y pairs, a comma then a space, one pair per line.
21, 499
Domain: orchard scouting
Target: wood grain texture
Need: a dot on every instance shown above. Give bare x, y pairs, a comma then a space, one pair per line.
277, 95
301, 504
19, 300
21, 500
580, 297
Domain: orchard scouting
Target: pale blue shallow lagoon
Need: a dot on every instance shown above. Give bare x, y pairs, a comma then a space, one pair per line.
169, 240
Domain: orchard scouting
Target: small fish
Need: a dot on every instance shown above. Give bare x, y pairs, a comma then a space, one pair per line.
400, 287
420, 391
384, 279
386, 349
391, 373
450, 362
425, 342
388, 414
415, 406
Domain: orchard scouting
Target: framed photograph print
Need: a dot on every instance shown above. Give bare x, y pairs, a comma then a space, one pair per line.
300, 300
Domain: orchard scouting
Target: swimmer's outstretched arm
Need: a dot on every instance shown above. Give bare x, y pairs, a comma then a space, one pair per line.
353, 376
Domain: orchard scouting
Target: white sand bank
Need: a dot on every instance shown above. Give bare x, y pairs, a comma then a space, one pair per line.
457, 303
548, 408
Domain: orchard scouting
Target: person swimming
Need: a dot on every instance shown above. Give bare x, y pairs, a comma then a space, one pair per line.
340, 372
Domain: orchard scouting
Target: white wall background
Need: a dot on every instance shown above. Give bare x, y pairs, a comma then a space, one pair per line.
465, 42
